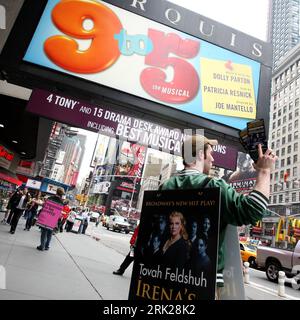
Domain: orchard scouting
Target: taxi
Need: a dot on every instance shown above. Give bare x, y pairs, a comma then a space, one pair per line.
248, 253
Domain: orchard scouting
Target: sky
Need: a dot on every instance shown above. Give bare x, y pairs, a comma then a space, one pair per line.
250, 17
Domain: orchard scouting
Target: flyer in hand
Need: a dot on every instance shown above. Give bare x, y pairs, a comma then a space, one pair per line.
256, 135
244, 139
176, 251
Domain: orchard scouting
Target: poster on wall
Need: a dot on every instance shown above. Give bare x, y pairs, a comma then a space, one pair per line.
176, 250
157, 63
131, 160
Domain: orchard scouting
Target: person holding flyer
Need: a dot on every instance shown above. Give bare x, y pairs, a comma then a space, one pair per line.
237, 209
48, 218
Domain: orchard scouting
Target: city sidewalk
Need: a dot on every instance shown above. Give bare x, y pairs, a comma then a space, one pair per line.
77, 267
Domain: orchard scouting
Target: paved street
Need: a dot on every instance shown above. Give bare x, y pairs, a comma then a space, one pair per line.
77, 267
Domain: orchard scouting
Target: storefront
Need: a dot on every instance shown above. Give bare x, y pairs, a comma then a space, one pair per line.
8, 180
8, 184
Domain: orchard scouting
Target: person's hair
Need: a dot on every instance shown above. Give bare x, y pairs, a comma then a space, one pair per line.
60, 192
178, 214
194, 152
196, 142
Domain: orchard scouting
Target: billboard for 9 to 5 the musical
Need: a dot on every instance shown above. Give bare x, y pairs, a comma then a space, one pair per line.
105, 44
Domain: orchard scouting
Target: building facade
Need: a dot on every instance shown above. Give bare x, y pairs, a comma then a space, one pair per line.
285, 32
284, 136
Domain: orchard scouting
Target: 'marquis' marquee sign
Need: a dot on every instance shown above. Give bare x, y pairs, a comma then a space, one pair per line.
103, 43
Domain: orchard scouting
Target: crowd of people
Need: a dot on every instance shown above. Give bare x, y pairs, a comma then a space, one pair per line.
22, 204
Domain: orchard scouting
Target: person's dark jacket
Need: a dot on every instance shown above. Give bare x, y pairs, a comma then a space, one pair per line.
16, 199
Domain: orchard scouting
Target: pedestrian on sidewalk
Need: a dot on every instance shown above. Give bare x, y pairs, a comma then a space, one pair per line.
84, 222
130, 256
70, 220
32, 211
46, 232
8, 208
19, 204
65, 214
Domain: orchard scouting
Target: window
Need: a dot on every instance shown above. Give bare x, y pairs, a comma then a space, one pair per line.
289, 138
277, 143
290, 116
273, 145
274, 199
283, 151
282, 162
294, 197
284, 130
284, 109
295, 171
296, 135
288, 160
296, 124
280, 198
283, 140
296, 146
289, 149
281, 174
278, 133
295, 158
279, 122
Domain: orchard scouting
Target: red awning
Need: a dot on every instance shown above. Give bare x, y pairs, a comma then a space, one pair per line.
6, 177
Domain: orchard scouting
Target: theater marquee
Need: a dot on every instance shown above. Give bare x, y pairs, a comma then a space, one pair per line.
105, 44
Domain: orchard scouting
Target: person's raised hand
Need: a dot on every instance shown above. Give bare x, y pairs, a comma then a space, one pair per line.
265, 160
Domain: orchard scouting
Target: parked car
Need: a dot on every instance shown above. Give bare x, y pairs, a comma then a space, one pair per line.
248, 253
133, 224
105, 221
118, 223
94, 216
274, 260
113, 211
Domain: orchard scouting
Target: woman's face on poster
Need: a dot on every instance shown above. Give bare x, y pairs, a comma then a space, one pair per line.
194, 228
175, 226
156, 242
206, 225
201, 246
